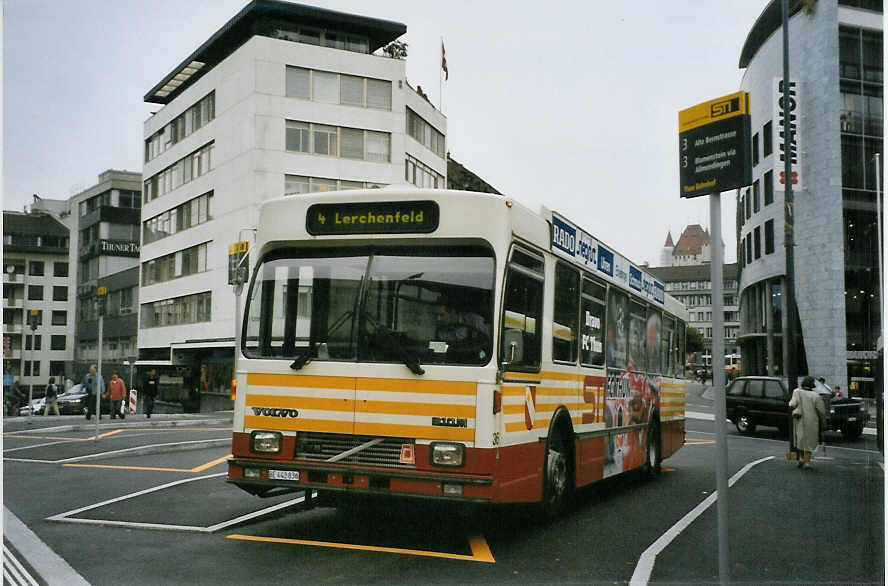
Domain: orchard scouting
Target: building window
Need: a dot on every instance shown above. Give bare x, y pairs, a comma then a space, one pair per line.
183, 125
769, 187
298, 83
59, 318
57, 342
180, 310
191, 213
755, 149
767, 139
297, 137
324, 140
60, 269
35, 341
748, 206
32, 368
756, 197
421, 175
298, 184
57, 368
186, 262
35, 268
748, 248
769, 236
757, 242
59, 293
333, 141
334, 88
35, 292
425, 133
196, 164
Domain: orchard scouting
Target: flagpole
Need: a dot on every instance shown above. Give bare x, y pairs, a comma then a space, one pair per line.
441, 81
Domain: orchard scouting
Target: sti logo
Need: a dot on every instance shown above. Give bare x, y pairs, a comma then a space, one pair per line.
724, 107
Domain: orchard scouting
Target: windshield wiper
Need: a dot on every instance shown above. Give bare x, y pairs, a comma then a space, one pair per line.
410, 360
304, 358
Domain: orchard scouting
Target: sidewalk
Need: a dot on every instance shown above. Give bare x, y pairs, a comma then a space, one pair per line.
790, 525
57, 423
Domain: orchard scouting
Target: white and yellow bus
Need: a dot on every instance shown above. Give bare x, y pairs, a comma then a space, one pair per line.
448, 345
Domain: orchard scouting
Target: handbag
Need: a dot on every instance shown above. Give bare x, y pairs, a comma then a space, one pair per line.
797, 412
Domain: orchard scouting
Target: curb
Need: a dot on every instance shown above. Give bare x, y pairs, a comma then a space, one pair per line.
140, 423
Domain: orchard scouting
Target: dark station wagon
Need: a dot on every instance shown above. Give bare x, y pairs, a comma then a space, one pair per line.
762, 400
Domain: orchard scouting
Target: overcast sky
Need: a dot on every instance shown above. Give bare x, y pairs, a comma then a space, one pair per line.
568, 104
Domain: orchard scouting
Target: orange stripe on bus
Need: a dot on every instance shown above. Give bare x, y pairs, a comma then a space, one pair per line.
316, 403
547, 374
441, 387
416, 431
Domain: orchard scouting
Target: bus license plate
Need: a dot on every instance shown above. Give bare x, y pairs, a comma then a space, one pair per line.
283, 475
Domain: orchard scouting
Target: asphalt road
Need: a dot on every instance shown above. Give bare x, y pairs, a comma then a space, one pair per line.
144, 514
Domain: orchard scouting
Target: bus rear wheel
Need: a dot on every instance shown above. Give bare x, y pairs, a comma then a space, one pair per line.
652, 461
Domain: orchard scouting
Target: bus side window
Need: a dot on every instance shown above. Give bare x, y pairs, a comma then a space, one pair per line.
522, 314
566, 314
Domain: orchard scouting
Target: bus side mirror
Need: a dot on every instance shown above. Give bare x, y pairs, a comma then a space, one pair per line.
513, 347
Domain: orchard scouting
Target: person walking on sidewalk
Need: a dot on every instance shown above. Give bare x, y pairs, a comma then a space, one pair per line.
808, 418
150, 392
91, 386
52, 398
117, 393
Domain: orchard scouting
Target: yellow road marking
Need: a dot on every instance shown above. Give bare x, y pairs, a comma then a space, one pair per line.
46, 437
199, 468
666, 469
110, 433
699, 442
203, 467
480, 550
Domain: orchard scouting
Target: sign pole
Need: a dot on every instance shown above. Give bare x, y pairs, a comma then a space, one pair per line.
101, 296
718, 384
714, 156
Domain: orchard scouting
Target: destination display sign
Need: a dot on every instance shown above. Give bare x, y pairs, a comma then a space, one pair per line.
385, 217
575, 245
713, 146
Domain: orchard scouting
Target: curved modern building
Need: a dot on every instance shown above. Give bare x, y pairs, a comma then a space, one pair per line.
836, 75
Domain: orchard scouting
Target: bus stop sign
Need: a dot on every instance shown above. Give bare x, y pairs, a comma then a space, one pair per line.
713, 146
237, 263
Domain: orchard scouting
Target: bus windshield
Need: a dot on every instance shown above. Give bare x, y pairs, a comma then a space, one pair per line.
416, 305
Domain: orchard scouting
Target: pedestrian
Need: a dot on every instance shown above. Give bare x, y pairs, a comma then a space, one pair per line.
91, 386
808, 418
7, 381
52, 398
13, 399
150, 392
838, 392
117, 393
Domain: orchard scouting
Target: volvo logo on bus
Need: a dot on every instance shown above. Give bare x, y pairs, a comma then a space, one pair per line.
275, 412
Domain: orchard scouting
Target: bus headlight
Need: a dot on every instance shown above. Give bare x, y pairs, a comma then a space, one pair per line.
446, 454
265, 442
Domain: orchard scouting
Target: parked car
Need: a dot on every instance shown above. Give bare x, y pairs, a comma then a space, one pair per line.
751, 401
73, 401
36, 406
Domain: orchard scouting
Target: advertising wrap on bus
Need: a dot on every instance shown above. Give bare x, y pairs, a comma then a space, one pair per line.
572, 243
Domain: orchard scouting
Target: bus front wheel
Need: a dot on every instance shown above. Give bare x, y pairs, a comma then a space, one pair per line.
557, 477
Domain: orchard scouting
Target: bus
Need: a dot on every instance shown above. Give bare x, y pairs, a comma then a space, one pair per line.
448, 345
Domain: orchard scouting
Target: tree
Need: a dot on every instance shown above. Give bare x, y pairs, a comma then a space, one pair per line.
694, 342
396, 50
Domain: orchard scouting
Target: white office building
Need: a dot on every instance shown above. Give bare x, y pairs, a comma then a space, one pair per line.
284, 99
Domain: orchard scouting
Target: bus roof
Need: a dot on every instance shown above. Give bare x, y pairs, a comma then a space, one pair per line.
460, 214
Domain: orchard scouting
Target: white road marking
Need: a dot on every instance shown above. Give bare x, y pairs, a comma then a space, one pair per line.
67, 516
47, 563
112, 453
645, 565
